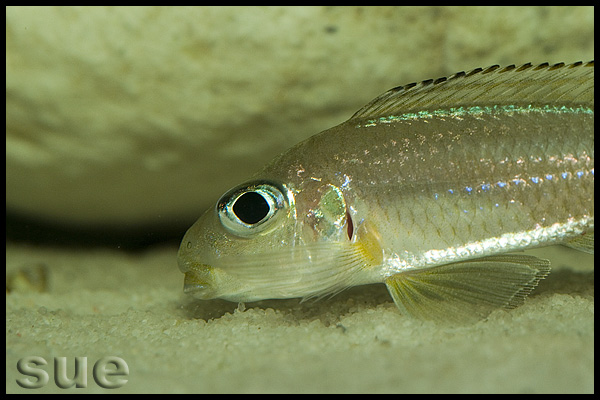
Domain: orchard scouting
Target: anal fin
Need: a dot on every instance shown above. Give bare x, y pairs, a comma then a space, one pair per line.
467, 291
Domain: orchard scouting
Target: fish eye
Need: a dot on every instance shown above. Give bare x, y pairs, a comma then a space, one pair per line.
252, 208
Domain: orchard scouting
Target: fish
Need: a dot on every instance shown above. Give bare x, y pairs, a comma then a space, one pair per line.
430, 188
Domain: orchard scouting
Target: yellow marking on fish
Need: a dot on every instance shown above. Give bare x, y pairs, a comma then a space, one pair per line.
368, 243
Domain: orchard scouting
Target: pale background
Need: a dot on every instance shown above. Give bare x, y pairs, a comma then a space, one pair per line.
125, 117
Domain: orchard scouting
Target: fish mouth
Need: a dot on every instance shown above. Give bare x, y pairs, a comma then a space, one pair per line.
199, 282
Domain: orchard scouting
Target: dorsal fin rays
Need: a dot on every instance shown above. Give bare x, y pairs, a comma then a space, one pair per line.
526, 84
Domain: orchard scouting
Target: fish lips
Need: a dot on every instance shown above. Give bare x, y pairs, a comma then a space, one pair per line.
199, 282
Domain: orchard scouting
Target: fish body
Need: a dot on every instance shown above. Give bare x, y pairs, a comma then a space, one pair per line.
426, 189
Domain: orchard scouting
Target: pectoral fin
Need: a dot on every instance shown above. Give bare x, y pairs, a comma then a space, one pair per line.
469, 290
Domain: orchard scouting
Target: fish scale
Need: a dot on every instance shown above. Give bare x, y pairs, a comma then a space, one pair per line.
457, 177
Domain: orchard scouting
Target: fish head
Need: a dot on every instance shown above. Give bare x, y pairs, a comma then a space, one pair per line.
266, 239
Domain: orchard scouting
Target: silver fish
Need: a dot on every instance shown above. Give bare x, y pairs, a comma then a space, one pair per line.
425, 189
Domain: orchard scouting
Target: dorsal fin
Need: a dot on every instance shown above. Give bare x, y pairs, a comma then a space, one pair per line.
527, 84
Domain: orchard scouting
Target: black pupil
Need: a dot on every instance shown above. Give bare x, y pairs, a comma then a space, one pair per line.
251, 207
